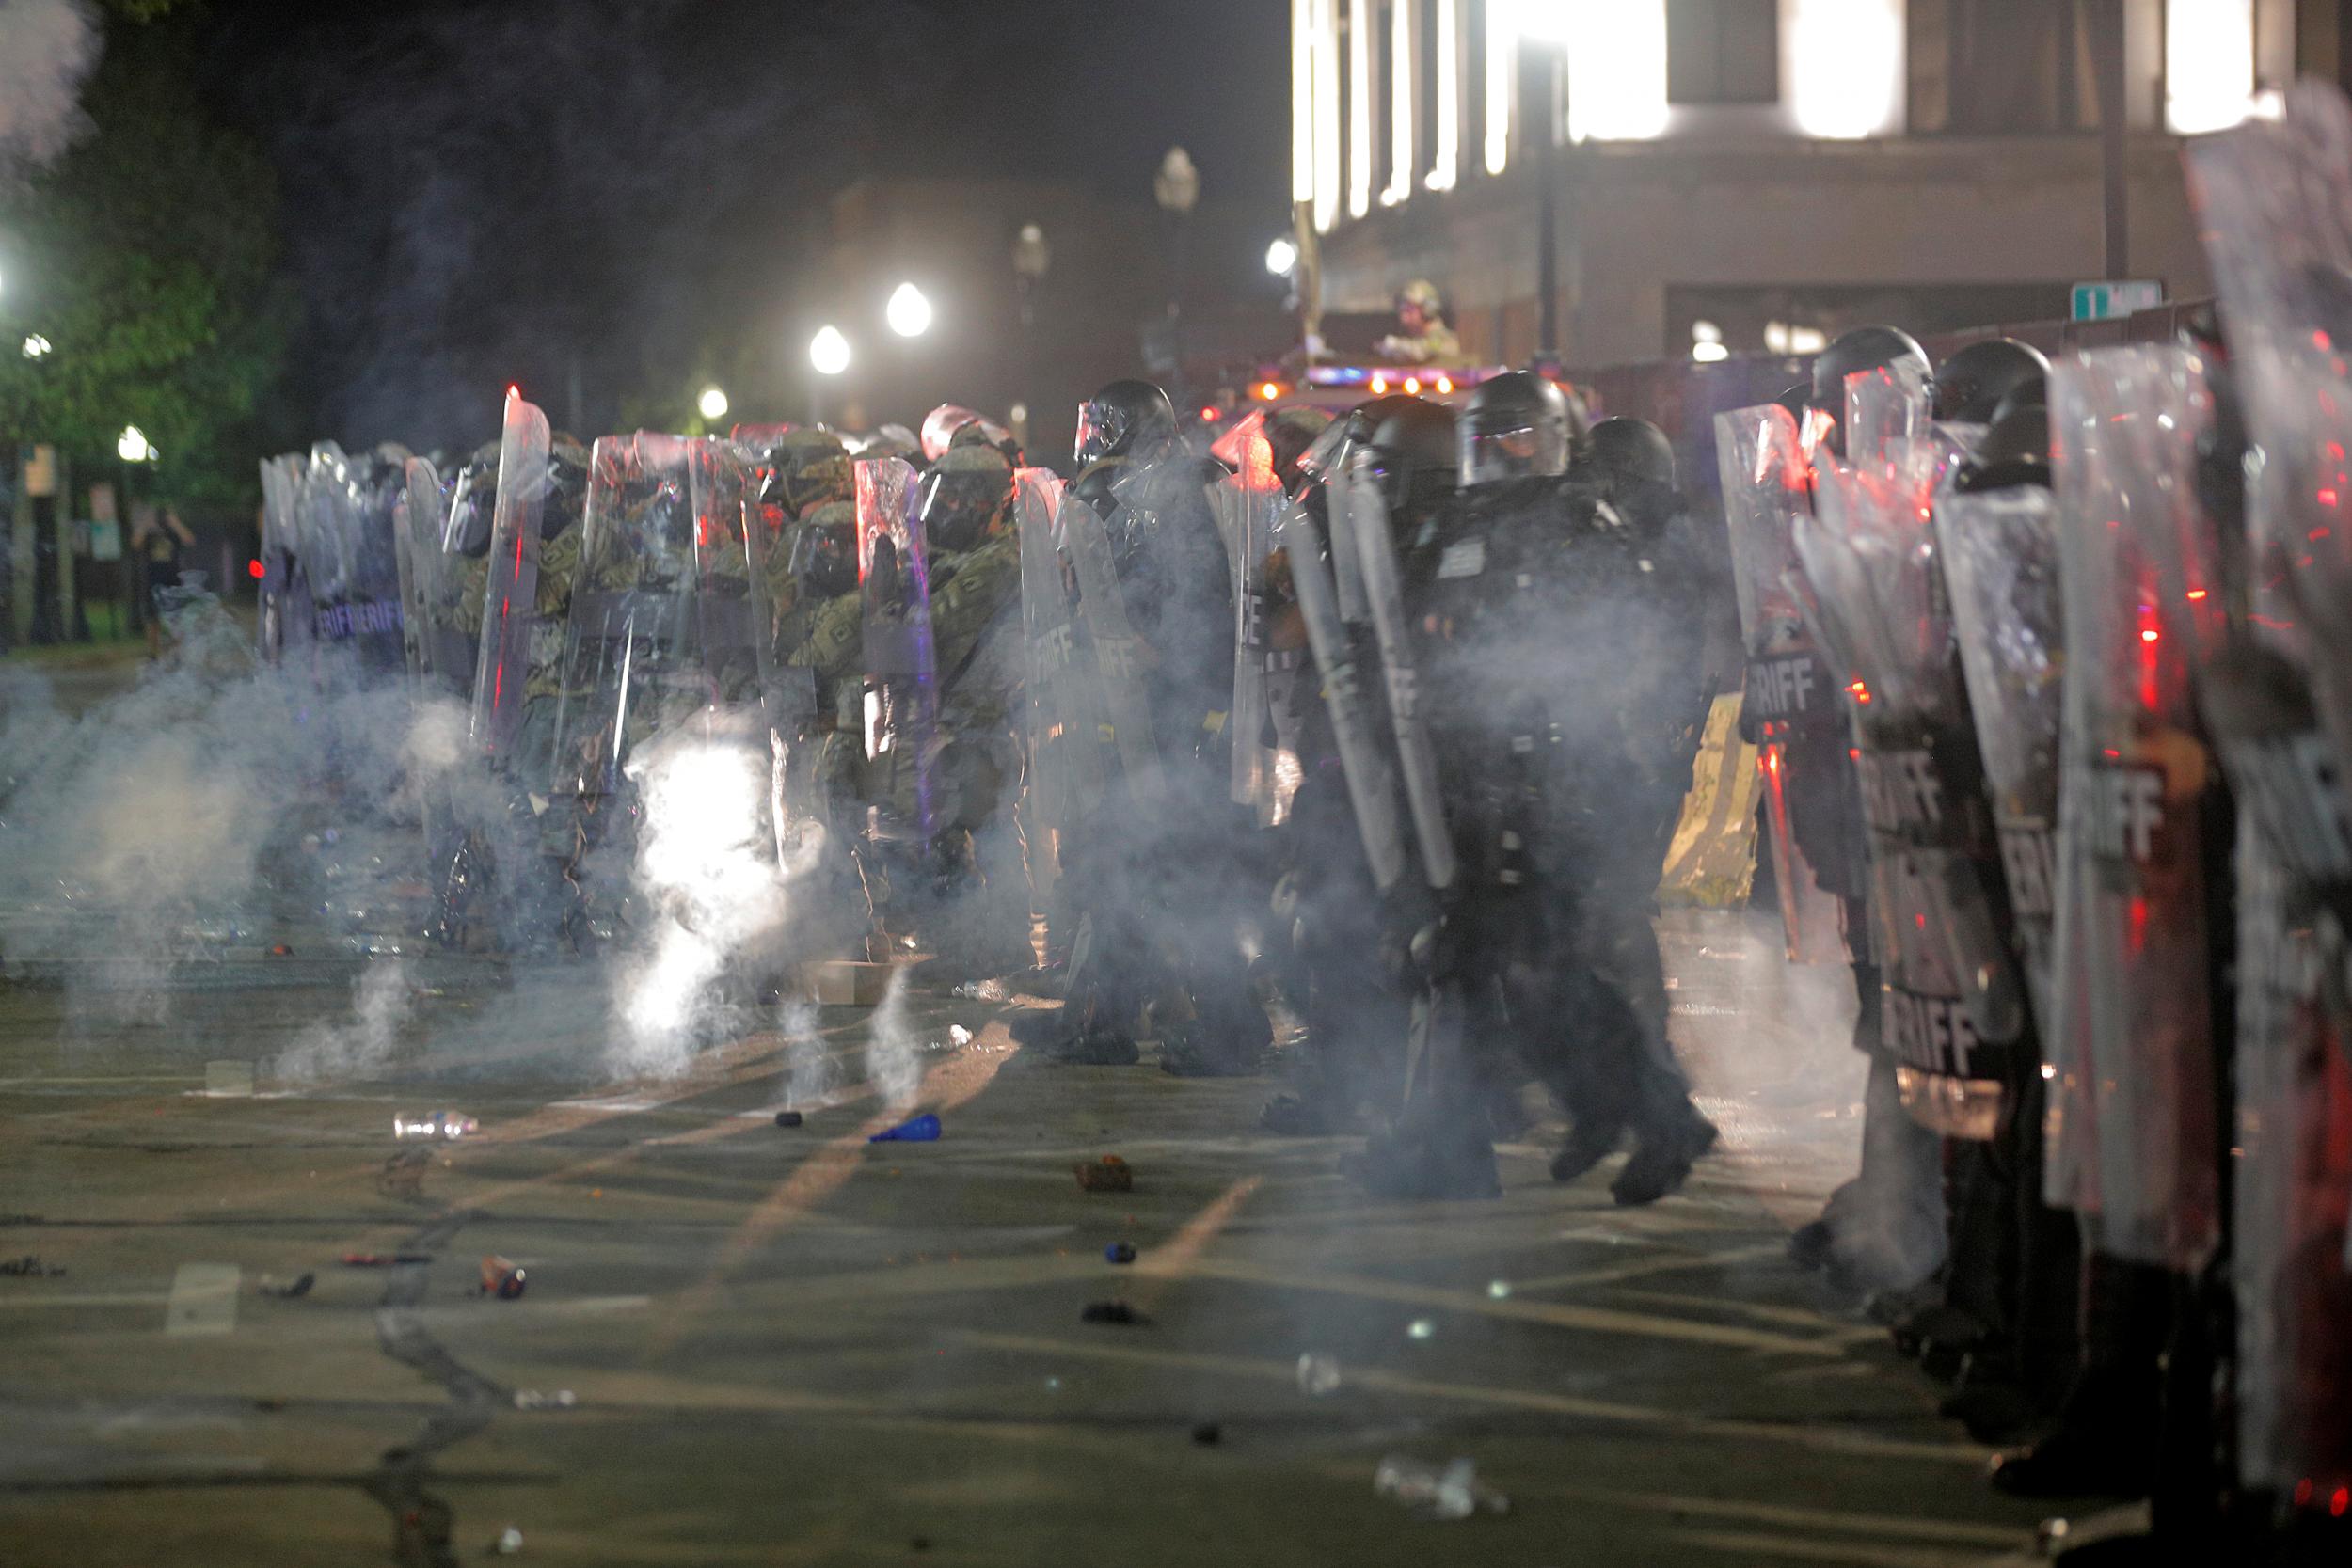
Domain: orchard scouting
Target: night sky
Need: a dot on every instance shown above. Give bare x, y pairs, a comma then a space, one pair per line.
544, 190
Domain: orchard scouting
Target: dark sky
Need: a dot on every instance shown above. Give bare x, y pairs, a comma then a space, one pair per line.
539, 189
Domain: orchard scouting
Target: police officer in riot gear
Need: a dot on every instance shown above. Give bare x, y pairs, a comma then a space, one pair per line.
1974, 382
1864, 348
1349, 953
1523, 587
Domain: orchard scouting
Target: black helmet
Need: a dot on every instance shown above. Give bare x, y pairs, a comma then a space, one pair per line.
966, 494
2015, 450
1288, 434
1516, 425
1629, 451
1864, 348
1971, 385
1126, 419
1415, 450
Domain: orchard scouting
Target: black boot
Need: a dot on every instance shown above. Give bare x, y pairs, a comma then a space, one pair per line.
1662, 1161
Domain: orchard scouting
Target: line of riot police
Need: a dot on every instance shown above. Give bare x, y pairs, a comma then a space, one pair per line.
2046, 664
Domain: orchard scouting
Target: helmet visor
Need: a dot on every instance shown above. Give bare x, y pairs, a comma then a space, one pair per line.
1514, 449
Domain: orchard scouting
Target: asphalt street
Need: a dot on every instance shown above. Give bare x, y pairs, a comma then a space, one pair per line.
740, 1343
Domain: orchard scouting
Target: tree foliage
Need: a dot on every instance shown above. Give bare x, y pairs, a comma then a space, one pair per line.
145, 258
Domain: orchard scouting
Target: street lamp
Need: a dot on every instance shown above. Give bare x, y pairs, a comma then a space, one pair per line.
132, 446
1280, 257
1177, 189
36, 346
713, 404
1544, 28
909, 313
828, 351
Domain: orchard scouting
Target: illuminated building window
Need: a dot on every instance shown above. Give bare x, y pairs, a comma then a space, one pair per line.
2208, 64
1723, 51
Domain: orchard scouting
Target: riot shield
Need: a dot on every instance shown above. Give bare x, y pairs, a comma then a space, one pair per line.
902, 670
2274, 199
2000, 551
1248, 506
1329, 465
510, 603
2132, 1041
1789, 706
1400, 662
284, 622
1118, 651
422, 584
1363, 755
1064, 711
1886, 413
1953, 1008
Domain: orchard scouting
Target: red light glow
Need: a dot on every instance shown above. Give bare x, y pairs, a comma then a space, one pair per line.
256, 570
2196, 595
2338, 1500
2150, 635
2325, 498
1269, 390
1379, 385
1208, 415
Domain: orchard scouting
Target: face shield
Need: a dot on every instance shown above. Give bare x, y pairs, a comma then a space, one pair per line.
1104, 429
959, 509
1511, 444
824, 557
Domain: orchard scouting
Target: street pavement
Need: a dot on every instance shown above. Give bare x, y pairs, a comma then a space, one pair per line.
742, 1343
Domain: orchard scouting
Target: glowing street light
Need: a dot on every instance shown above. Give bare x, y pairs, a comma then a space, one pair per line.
713, 404
36, 346
132, 446
828, 351
1280, 257
909, 313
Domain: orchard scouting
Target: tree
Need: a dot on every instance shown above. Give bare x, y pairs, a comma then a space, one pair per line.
146, 260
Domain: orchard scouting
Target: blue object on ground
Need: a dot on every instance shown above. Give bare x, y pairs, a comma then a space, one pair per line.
922, 1129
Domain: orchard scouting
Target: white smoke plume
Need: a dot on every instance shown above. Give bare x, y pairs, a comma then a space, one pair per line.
894, 1060
360, 1045
813, 1077
47, 49
706, 877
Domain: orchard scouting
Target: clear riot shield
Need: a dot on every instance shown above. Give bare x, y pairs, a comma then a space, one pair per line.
902, 670
1330, 464
1365, 760
374, 611
510, 603
2000, 563
1886, 413
422, 577
1118, 651
1953, 1008
1400, 662
284, 623
618, 678
2132, 1041
1064, 701
1248, 506
1790, 703
2276, 201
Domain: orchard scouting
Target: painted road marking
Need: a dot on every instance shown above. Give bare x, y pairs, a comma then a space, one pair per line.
203, 1299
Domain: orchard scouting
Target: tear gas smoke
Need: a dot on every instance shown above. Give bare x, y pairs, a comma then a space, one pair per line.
706, 871
47, 48
813, 1077
360, 1045
893, 1061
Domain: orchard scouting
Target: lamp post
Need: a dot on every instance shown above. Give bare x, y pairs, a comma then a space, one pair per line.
1031, 256
1177, 189
712, 404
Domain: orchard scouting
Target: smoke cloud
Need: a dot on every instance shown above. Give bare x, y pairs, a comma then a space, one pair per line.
47, 50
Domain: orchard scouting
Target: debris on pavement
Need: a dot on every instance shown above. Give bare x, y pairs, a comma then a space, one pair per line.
1318, 1374
435, 1124
383, 1260
1431, 1492
788, 1119
1110, 1174
30, 1267
1420, 1328
1207, 1433
922, 1129
1119, 1252
958, 1035
501, 1277
531, 1399
1499, 1289
402, 1176
1113, 1312
300, 1287
509, 1541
